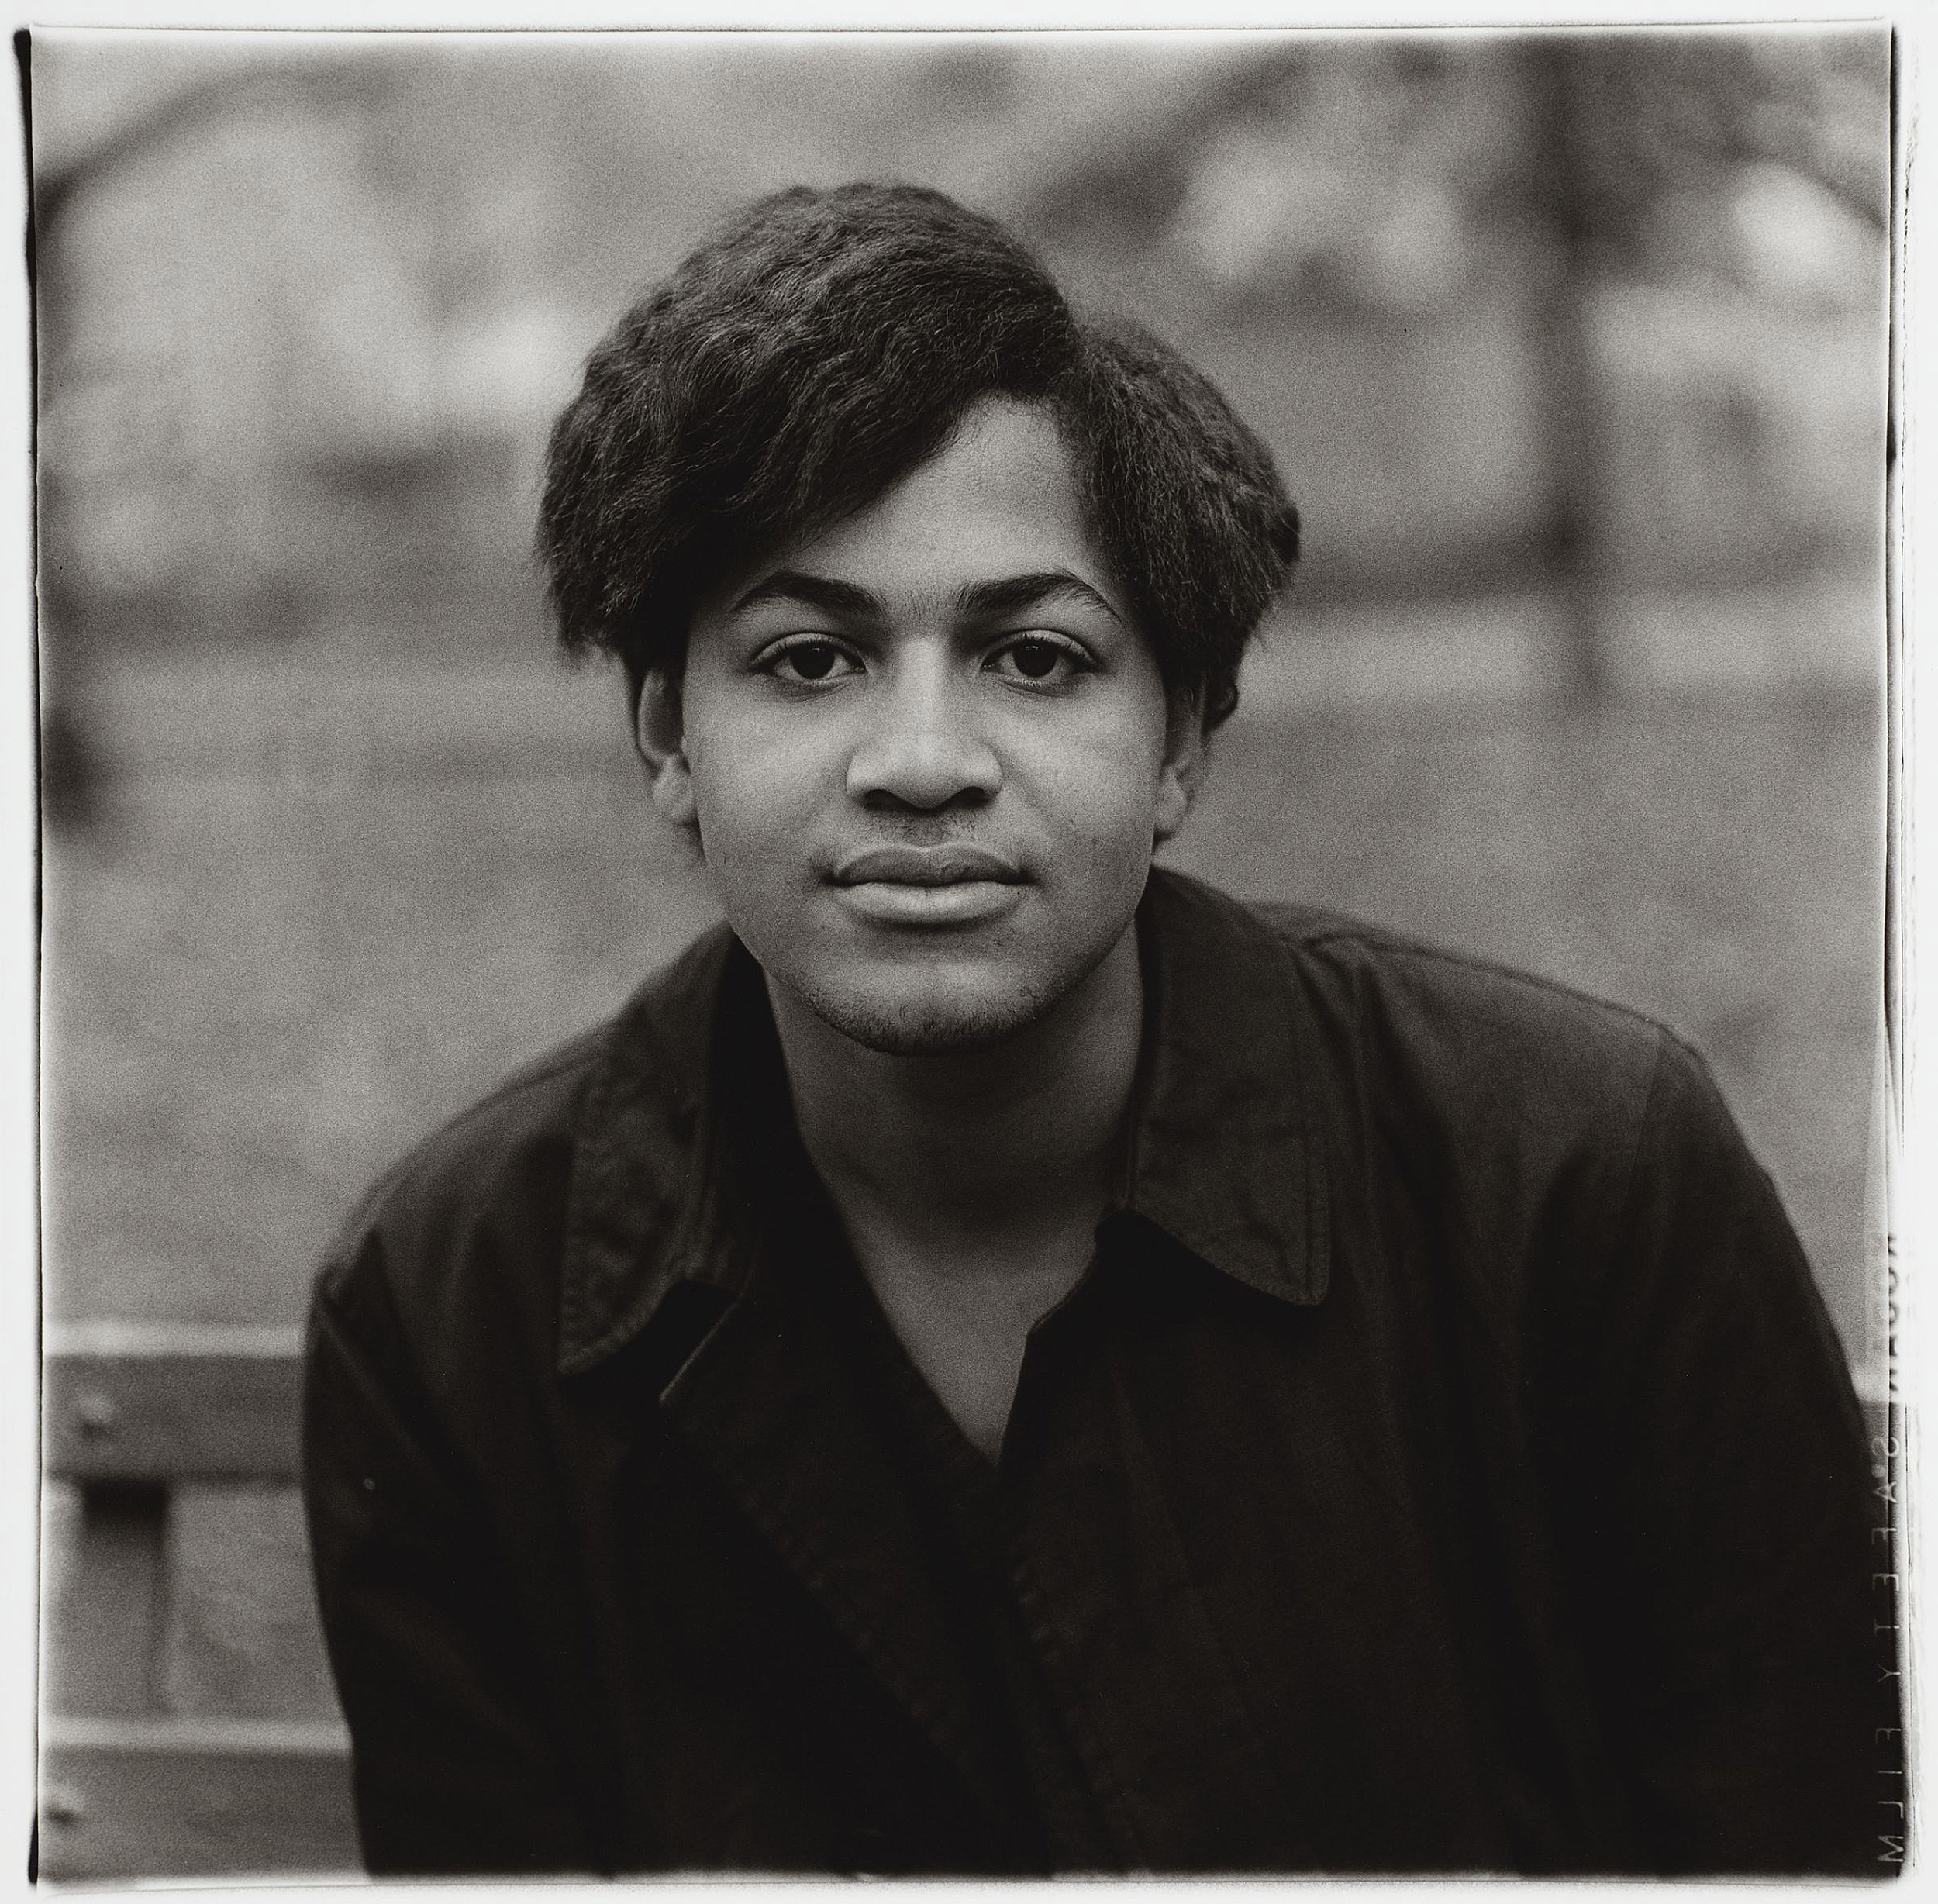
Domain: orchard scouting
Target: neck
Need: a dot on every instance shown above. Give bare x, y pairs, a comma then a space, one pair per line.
1008, 1137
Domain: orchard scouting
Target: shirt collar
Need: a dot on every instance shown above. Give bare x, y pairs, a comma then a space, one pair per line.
1224, 1155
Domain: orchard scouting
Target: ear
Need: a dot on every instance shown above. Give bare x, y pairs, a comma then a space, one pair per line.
1182, 768
658, 732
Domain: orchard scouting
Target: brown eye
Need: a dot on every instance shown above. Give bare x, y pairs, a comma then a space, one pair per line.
1039, 660
808, 660
813, 660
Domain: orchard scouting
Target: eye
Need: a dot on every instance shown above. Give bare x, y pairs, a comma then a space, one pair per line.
808, 658
1044, 660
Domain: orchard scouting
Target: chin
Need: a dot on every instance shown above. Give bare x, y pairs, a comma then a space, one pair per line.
934, 1016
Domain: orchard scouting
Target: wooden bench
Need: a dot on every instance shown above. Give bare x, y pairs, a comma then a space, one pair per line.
189, 1727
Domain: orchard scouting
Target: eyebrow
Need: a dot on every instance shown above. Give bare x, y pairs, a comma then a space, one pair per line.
982, 601
817, 591
985, 601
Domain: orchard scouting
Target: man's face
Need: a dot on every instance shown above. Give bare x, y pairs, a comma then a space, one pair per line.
928, 754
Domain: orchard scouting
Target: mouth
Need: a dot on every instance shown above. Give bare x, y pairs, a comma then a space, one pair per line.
942, 886
926, 866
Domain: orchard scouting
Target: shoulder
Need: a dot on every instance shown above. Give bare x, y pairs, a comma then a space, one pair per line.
473, 1218
1468, 1028
1498, 1100
1383, 992
519, 1129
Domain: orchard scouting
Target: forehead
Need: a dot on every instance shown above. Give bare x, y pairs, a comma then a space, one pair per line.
1002, 497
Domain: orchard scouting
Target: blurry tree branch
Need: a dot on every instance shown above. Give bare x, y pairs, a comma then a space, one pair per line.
1136, 164
336, 86
1677, 110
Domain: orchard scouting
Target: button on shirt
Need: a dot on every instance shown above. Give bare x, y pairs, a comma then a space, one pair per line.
1446, 1465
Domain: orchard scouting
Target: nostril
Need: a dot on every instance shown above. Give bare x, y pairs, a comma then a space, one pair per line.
927, 777
884, 800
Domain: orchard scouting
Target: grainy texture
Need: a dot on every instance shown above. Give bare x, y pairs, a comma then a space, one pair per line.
241, 1637
104, 1616
215, 1798
141, 1417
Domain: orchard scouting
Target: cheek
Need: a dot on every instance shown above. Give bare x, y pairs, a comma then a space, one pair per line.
751, 785
1105, 789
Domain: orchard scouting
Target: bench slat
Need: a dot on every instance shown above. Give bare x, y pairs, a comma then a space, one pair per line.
194, 1798
125, 1402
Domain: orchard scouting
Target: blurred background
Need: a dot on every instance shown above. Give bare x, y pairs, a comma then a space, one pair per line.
1572, 350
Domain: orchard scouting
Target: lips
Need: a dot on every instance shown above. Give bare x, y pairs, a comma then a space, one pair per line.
954, 865
901, 889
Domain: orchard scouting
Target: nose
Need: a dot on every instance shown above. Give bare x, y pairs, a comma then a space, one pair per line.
923, 749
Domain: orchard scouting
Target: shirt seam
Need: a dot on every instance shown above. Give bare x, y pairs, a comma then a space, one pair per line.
1372, 939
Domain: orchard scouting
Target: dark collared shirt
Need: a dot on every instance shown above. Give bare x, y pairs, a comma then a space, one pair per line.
1446, 1465
962, 1508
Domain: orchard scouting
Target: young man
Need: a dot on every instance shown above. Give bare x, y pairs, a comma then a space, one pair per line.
1001, 1360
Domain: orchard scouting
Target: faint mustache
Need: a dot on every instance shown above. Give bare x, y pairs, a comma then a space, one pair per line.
925, 866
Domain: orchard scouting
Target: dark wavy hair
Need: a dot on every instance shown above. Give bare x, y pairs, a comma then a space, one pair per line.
827, 343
